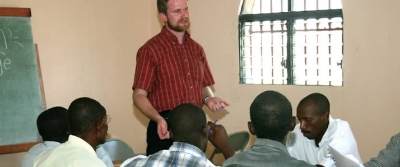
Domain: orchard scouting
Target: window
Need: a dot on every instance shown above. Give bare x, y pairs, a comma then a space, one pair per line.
291, 42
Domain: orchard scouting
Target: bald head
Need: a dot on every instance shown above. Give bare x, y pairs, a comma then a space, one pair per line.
271, 115
317, 100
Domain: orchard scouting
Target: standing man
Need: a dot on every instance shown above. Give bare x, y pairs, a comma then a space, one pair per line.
171, 69
317, 131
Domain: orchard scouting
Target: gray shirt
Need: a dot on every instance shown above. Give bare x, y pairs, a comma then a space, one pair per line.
389, 156
265, 152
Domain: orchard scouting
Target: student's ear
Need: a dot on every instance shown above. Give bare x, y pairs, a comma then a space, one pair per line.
292, 123
251, 128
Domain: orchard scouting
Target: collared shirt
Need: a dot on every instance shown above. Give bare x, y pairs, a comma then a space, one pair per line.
178, 155
73, 153
390, 156
265, 152
170, 72
338, 135
46, 146
37, 149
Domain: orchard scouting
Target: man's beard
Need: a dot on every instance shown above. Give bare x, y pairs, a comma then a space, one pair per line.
179, 28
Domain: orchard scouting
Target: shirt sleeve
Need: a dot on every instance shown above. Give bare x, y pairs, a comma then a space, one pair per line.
389, 156
208, 78
145, 69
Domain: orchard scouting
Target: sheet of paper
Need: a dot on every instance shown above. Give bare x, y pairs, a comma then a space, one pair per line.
344, 160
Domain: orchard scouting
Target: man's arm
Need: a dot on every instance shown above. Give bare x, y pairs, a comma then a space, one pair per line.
142, 102
219, 138
211, 101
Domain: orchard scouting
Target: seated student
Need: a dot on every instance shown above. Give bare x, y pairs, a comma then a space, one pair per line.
88, 125
52, 125
271, 120
317, 131
389, 156
188, 130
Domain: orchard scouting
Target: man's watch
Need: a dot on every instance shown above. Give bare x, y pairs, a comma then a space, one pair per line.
205, 99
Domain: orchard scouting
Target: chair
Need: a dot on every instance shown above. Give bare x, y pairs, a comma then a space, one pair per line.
118, 150
238, 141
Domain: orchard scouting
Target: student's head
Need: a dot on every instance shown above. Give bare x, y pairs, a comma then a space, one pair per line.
88, 120
52, 124
175, 14
187, 123
313, 115
271, 116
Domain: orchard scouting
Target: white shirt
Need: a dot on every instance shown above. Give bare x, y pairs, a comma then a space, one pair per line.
37, 149
73, 153
45, 146
338, 135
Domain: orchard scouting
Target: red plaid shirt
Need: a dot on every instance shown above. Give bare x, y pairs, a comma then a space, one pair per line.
170, 72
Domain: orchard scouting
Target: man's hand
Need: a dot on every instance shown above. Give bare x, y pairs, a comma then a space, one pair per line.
216, 103
219, 138
162, 128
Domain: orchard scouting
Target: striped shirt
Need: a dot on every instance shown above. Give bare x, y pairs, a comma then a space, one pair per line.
170, 72
178, 155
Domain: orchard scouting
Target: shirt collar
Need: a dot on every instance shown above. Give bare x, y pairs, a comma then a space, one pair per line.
187, 148
260, 142
171, 37
82, 143
51, 143
326, 138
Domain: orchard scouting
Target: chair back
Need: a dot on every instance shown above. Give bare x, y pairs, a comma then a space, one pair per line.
118, 149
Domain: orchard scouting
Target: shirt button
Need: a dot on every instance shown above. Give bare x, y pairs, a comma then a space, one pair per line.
188, 73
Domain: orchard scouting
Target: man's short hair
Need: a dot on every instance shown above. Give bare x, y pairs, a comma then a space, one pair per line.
187, 123
52, 124
162, 6
83, 114
320, 100
271, 115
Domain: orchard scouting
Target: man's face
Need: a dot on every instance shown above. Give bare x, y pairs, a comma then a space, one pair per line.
312, 122
177, 16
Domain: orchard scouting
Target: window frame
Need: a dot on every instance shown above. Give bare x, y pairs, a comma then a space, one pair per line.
290, 16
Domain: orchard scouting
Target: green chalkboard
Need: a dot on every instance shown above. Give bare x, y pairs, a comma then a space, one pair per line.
21, 98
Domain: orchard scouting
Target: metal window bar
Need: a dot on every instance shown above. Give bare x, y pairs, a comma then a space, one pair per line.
290, 31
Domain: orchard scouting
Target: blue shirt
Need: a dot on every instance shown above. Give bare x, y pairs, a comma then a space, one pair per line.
179, 154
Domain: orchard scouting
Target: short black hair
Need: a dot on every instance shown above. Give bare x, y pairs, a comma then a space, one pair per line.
162, 6
320, 100
52, 124
83, 114
187, 123
271, 115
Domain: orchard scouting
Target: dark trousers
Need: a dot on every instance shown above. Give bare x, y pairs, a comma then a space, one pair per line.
154, 144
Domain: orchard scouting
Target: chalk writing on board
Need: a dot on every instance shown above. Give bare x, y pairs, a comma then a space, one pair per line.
7, 38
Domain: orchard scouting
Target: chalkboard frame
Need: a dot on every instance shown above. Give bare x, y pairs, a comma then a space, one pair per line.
21, 147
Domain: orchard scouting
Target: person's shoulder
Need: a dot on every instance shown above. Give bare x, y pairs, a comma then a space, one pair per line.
134, 161
341, 124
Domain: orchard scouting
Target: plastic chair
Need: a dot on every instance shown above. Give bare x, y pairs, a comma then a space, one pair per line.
238, 141
118, 150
